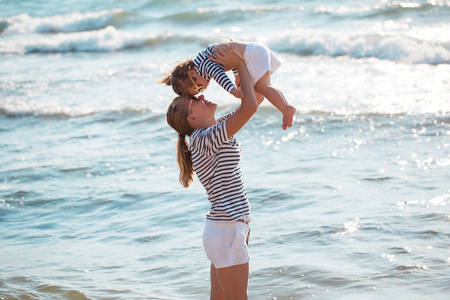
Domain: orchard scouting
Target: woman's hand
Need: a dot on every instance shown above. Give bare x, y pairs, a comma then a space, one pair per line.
221, 49
225, 56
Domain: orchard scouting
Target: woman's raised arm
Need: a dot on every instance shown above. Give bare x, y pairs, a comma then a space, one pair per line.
248, 104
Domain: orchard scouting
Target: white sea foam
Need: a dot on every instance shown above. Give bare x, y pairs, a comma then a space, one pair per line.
381, 7
15, 107
400, 47
103, 40
24, 23
20, 107
389, 46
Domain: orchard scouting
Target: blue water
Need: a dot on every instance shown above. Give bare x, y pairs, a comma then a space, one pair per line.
352, 202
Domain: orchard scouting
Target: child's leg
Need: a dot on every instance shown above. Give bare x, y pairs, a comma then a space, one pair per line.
277, 99
259, 98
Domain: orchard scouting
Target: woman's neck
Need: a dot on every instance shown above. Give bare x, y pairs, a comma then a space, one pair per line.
199, 124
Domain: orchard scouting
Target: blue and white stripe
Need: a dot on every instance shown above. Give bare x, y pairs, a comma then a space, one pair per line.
216, 162
209, 69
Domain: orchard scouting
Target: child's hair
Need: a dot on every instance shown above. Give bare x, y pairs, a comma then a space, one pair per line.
178, 78
177, 119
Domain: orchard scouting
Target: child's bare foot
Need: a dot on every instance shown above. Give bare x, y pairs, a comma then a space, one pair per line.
288, 116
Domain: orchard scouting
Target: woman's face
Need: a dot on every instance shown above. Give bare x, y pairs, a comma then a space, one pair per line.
202, 108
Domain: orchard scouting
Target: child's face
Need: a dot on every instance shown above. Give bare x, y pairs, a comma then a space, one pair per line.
199, 81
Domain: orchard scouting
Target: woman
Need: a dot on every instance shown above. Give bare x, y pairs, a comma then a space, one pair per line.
214, 155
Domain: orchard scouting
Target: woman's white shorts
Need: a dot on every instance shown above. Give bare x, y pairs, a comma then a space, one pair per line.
225, 242
259, 60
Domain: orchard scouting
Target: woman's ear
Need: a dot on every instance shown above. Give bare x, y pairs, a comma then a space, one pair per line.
191, 120
194, 122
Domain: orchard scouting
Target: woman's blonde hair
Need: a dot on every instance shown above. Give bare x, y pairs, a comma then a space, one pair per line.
177, 119
178, 78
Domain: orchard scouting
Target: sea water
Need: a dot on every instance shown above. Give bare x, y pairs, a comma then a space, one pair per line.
352, 202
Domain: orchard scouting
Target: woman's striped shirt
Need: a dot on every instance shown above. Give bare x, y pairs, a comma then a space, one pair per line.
216, 162
209, 69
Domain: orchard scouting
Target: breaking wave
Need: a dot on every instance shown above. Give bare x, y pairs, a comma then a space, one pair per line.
74, 22
104, 40
395, 47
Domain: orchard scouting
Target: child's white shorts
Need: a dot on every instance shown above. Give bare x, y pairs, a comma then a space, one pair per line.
225, 242
259, 60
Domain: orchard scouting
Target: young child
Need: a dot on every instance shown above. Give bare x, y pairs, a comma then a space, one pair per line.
193, 76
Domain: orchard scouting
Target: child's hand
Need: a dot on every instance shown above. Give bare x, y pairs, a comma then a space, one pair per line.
238, 93
237, 81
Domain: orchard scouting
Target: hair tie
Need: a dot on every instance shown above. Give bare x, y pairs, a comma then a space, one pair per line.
182, 136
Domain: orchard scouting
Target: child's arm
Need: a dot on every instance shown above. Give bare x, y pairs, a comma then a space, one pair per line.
237, 80
238, 93
218, 74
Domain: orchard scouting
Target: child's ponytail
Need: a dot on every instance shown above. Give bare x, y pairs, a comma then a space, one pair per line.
178, 78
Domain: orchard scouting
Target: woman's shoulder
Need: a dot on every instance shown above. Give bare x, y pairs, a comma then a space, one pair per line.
219, 126
208, 130
225, 117
208, 139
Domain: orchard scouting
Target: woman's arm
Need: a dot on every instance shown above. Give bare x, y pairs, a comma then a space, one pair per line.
248, 103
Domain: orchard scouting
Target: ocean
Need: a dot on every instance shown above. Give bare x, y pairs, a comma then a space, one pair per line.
352, 202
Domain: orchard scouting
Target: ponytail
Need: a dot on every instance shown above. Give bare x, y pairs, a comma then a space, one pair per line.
178, 78
184, 160
177, 119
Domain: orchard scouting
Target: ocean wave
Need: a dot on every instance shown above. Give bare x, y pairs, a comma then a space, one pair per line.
104, 40
399, 47
74, 22
383, 9
19, 109
393, 8
220, 14
394, 46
